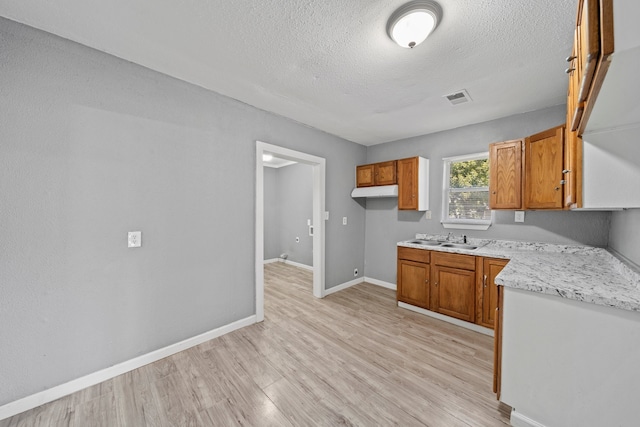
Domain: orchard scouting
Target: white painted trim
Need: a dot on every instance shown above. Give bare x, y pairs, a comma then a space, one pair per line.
464, 226
377, 282
453, 320
519, 420
319, 178
297, 264
344, 286
18, 406
270, 261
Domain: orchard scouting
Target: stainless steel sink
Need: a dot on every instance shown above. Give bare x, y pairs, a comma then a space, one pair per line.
458, 246
424, 242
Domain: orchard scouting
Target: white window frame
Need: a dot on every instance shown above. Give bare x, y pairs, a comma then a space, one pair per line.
462, 224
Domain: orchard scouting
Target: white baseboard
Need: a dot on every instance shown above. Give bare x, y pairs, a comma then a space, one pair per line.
49, 395
269, 261
297, 264
377, 282
343, 286
449, 319
519, 420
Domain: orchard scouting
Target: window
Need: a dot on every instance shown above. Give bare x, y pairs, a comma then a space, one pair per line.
466, 192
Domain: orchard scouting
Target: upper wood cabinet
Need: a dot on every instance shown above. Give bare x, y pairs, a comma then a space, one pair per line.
365, 175
530, 173
383, 173
505, 175
590, 58
544, 165
413, 184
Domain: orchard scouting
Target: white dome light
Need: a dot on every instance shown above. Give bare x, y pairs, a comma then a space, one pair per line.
412, 23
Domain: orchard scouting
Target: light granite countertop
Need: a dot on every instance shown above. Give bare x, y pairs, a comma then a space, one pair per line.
581, 273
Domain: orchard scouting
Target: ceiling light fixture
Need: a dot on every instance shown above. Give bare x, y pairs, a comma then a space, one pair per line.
412, 23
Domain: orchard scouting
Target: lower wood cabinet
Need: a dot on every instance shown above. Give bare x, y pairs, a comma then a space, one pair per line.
413, 277
487, 291
456, 285
454, 282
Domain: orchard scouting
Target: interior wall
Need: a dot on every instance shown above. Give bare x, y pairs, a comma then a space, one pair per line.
624, 237
295, 207
385, 225
92, 147
288, 204
271, 226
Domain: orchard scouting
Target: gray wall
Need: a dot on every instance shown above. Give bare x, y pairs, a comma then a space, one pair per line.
92, 147
271, 226
290, 204
296, 207
624, 236
385, 225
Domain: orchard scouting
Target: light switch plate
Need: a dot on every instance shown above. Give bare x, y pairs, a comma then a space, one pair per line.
134, 239
344, 220
519, 216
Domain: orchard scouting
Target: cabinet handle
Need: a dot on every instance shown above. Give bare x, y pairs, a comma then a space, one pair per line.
570, 58
566, 171
563, 182
426, 281
436, 283
493, 192
557, 188
484, 281
569, 70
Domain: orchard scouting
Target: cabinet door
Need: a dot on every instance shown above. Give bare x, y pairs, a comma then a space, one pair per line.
385, 173
408, 184
589, 44
544, 163
365, 175
505, 175
572, 168
413, 283
488, 291
453, 292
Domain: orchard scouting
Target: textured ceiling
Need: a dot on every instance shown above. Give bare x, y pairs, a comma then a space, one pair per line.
329, 64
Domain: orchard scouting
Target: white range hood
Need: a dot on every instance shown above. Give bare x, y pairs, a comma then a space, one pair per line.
375, 191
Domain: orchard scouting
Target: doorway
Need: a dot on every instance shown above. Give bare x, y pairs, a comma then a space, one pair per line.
318, 165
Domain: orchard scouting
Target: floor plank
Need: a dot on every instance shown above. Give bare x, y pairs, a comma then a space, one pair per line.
353, 359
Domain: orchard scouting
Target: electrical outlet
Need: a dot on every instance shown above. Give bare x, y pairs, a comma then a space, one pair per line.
519, 217
355, 272
134, 239
427, 215
344, 220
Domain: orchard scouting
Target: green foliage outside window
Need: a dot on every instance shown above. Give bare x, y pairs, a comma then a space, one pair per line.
468, 190
472, 173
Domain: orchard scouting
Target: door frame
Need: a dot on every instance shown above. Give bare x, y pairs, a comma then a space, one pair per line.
319, 173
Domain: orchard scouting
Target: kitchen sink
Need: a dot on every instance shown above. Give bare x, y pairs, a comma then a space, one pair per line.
458, 246
424, 242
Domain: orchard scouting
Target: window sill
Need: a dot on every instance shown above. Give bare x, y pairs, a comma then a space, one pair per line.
466, 226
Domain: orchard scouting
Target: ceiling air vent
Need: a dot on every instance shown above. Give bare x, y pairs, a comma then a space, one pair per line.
459, 97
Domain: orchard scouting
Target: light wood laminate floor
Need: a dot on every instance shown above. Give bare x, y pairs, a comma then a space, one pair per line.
352, 358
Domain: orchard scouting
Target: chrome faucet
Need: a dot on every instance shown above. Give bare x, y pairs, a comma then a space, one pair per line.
449, 237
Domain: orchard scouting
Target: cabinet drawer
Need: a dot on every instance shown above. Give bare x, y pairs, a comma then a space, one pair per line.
465, 262
412, 254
